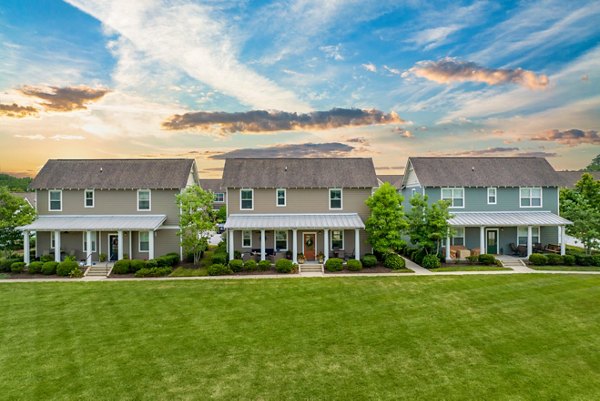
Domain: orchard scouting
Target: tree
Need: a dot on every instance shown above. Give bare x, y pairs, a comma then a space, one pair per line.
196, 221
594, 165
222, 214
386, 224
581, 205
14, 212
428, 223
14, 183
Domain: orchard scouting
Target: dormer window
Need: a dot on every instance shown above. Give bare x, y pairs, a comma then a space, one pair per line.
144, 198
55, 200
88, 196
335, 198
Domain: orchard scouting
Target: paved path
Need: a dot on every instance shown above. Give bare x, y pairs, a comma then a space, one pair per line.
416, 268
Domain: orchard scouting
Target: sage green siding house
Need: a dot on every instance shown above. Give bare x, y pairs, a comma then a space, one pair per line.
498, 203
298, 205
116, 207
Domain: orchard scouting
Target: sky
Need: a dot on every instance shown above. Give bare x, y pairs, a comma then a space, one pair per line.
300, 78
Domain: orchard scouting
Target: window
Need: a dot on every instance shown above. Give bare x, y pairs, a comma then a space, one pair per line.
247, 239
246, 199
531, 197
219, 197
144, 241
522, 235
55, 200
144, 199
459, 236
52, 240
491, 196
456, 196
93, 241
281, 240
280, 196
335, 199
88, 196
337, 239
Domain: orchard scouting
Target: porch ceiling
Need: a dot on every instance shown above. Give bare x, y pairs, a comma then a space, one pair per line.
294, 221
96, 223
504, 219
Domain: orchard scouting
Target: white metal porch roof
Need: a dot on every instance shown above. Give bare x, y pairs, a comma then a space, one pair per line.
503, 219
95, 223
294, 221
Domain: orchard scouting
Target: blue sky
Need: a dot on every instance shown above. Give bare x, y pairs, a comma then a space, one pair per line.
385, 79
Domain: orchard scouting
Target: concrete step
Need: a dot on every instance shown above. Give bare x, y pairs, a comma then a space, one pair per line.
311, 268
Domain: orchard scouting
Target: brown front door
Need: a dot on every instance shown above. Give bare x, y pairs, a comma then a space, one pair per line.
309, 246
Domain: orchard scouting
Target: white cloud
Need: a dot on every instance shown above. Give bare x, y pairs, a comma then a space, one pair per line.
333, 51
36, 137
370, 67
431, 38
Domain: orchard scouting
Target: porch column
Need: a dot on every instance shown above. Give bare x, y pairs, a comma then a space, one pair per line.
120, 245
295, 246
151, 244
26, 251
88, 247
357, 243
563, 240
481, 240
263, 255
231, 245
325, 244
529, 244
57, 246
448, 246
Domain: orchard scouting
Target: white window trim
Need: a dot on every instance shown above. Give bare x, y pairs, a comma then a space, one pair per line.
284, 197
251, 191
52, 242
495, 202
341, 199
140, 241
287, 242
246, 231
222, 194
149, 200
50, 200
530, 198
460, 236
85, 192
94, 240
452, 197
533, 228
331, 240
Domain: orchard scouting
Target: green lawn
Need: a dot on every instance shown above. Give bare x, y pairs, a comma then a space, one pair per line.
518, 337
468, 268
567, 268
188, 272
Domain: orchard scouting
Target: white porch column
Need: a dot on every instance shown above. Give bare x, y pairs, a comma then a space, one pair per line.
57, 246
150, 245
26, 250
231, 245
263, 255
562, 240
481, 240
120, 245
295, 246
88, 247
325, 244
529, 244
448, 246
357, 243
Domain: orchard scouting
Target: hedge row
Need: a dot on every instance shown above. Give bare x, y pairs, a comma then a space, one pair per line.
538, 259
166, 262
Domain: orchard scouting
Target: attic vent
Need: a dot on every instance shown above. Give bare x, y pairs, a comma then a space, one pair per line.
100, 169
473, 168
285, 168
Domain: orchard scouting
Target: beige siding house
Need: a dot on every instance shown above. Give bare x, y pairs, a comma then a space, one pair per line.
311, 206
214, 185
108, 206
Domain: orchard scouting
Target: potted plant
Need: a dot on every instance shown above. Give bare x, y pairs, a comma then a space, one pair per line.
288, 255
102, 257
320, 257
301, 258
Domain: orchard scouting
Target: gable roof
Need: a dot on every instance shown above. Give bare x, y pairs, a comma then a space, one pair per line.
114, 174
211, 184
570, 178
28, 196
299, 173
484, 171
394, 179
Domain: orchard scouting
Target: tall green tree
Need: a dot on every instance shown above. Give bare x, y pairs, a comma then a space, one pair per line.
14, 183
386, 225
594, 165
14, 212
581, 205
428, 223
196, 221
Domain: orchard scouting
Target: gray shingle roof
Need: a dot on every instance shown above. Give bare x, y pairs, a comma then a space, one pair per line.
484, 171
114, 174
570, 178
299, 173
394, 179
211, 184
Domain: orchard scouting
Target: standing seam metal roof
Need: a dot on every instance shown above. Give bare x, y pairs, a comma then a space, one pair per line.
504, 219
294, 221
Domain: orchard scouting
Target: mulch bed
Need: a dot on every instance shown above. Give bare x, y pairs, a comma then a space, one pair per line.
376, 269
26, 276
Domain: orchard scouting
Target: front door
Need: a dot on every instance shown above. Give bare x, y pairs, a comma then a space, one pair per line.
492, 241
309, 246
113, 247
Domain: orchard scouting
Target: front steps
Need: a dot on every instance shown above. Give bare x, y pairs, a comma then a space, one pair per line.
310, 268
516, 264
99, 270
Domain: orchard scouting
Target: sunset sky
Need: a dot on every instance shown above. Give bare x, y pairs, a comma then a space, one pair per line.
383, 79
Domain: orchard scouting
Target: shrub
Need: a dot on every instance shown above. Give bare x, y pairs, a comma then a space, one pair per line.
584, 260
5, 264
431, 262
76, 273
473, 259
236, 265
568, 260
250, 265
152, 263
65, 267
219, 258
35, 267
219, 269
537, 259
264, 265
334, 264
173, 257
487, 259
102, 257
49, 268
154, 271
237, 254
17, 267
418, 255
554, 259
136, 264
121, 266
284, 266
354, 265
596, 259
394, 261
46, 258
369, 260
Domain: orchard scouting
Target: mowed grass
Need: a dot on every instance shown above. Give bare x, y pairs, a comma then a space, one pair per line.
518, 337
567, 268
468, 268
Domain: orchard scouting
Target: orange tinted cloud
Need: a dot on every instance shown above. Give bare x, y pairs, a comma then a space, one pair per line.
65, 98
16, 111
571, 137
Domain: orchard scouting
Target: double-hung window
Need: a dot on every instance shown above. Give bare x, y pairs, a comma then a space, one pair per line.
144, 198
335, 198
88, 196
219, 197
93, 241
492, 196
281, 240
246, 239
280, 195
337, 239
247, 199
55, 200
459, 236
530, 197
522, 235
456, 196
144, 241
